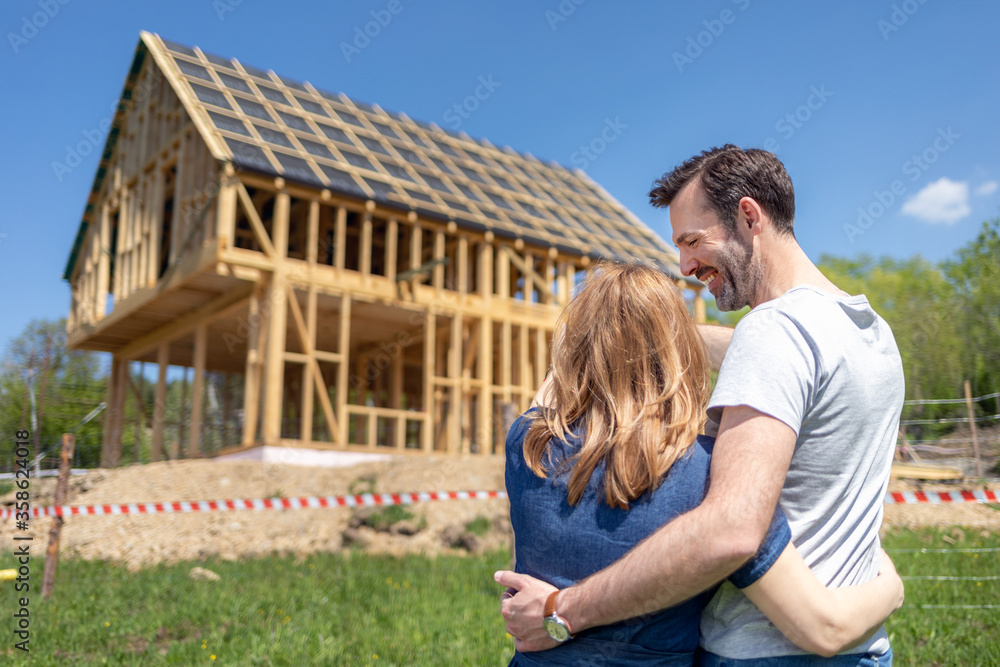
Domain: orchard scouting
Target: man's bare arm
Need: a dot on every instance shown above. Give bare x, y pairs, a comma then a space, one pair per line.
687, 555
716, 341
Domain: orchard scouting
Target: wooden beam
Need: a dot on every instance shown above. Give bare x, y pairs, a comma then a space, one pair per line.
225, 208
391, 243
549, 289
255, 223
699, 307
251, 378
198, 389
429, 372
462, 271
396, 398
341, 232
416, 239
524, 362
366, 245
312, 233
506, 359
102, 240
503, 271
541, 358
160, 401
111, 448
562, 284
343, 367
275, 362
439, 269
485, 419
455, 373
156, 224
486, 271
529, 273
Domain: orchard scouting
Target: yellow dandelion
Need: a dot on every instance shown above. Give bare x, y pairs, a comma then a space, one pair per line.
979, 583
406, 584
107, 624
375, 656
213, 656
389, 581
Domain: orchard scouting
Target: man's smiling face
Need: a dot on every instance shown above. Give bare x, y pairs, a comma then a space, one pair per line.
723, 261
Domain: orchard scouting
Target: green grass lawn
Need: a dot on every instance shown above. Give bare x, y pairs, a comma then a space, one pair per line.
354, 609
928, 630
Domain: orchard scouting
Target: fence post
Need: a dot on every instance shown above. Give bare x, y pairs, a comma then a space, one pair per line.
972, 425
52, 555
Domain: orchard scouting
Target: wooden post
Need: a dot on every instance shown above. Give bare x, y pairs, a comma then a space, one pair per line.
462, 272
485, 419
486, 269
140, 411
225, 210
391, 248
308, 391
198, 390
972, 426
699, 307
52, 555
156, 224
342, 369
160, 401
251, 385
454, 443
103, 242
429, 360
416, 241
366, 246
341, 235
439, 269
178, 445
277, 299
111, 450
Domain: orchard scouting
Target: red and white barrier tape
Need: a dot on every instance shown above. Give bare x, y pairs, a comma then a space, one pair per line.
258, 504
940, 497
386, 499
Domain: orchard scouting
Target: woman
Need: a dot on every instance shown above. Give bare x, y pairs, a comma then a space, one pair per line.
619, 455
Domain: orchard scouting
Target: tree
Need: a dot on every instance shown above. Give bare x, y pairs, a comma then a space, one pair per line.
38, 374
975, 274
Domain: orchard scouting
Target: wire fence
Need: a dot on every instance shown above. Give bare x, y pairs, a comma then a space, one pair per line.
962, 433
969, 579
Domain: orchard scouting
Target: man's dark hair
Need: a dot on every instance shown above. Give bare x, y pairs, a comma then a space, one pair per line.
727, 175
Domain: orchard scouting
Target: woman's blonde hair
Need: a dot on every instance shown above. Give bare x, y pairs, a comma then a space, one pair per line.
629, 367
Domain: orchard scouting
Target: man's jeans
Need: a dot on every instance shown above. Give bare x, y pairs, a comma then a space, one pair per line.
704, 659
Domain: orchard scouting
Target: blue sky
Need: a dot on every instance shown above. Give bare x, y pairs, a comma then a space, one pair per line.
882, 109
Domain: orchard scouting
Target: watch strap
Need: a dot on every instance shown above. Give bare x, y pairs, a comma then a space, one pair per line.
550, 611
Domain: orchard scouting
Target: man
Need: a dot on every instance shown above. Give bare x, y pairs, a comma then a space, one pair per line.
808, 402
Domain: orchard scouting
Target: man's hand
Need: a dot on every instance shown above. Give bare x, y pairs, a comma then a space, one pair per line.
522, 606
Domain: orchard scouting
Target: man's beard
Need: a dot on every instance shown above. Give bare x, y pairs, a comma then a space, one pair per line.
740, 274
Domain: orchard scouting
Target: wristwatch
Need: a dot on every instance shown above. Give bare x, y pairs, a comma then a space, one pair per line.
557, 627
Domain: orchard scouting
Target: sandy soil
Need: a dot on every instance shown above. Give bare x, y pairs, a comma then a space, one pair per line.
440, 527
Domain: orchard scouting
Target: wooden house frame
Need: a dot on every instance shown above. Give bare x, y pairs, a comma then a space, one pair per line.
373, 283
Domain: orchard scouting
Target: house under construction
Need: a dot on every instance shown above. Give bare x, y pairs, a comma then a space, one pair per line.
365, 281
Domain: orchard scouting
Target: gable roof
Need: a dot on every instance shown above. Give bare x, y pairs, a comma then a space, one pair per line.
267, 123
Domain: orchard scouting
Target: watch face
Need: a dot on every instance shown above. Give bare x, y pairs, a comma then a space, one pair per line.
556, 629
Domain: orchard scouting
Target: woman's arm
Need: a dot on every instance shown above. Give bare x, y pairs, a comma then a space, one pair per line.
819, 619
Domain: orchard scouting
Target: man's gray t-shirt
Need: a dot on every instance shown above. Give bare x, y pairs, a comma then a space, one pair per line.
828, 367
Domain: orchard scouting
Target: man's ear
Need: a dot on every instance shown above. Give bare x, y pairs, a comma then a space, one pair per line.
750, 215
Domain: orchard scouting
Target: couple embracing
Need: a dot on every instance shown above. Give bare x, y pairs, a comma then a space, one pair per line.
639, 540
